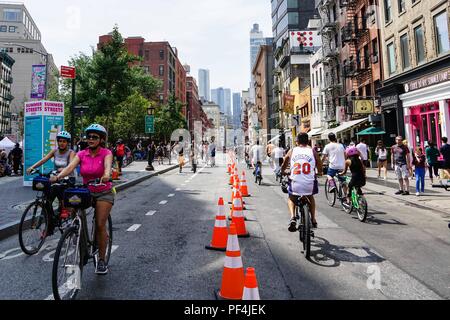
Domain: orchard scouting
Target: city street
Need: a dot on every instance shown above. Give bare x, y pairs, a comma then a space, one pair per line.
161, 227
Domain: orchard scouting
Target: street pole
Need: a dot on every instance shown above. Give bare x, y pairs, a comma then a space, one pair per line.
46, 77
72, 113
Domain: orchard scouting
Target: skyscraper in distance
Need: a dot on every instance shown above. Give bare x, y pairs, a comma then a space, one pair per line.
204, 84
237, 110
222, 97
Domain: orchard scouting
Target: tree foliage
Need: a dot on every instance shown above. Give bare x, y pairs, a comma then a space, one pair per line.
169, 118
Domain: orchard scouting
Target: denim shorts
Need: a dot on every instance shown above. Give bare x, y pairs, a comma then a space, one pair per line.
333, 172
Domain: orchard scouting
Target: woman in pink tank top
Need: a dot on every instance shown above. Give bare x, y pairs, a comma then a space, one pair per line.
96, 163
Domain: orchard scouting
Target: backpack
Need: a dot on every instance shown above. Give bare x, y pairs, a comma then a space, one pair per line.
120, 151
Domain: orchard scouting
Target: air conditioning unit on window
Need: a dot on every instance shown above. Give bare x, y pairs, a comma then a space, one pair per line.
375, 59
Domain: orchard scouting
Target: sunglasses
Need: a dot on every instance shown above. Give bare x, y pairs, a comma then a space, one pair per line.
62, 140
92, 137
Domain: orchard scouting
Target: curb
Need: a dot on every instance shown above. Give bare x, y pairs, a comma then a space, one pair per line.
12, 228
418, 205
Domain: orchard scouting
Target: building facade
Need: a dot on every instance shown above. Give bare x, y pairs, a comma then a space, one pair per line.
21, 39
416, 88
204, 84
222, 97
160, 60
256, 41
212, 111
6, 80
263, 75
318, 123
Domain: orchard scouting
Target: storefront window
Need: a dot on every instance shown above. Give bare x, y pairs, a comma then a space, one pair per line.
425, 127
433, 126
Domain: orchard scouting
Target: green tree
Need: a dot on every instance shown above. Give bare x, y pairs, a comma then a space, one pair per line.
106, 80
130, 119
169, 118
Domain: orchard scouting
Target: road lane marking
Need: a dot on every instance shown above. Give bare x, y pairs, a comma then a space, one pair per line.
178, 189
114, 248
134, 227
171, 195
150, 213
163, 202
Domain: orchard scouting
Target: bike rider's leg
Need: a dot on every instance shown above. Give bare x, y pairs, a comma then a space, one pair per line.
103, 210
312, 207
293, 221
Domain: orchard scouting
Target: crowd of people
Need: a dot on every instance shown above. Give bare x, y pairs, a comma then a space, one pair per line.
11, 163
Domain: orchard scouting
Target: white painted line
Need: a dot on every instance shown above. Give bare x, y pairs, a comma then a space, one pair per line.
134, 227
163, 202
114, 248
178, 189
171, 195
187, 181
150, 213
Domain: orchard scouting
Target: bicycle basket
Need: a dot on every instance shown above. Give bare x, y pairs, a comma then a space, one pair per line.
41, 184
77, 198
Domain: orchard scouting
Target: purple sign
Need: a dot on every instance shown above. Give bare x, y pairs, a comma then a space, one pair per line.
38, 78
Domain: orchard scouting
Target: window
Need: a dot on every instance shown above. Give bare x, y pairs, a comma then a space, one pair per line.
387, 10
391, 58
161, 70
11, 14
404, 47
375, 57
12, 29
401, 6
317, 79
321, 77
441, 31
161, 54
312, 79
3, 28
420, 48
147, 55
146, 69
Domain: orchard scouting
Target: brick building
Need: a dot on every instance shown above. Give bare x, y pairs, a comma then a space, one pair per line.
194, 110
160, 60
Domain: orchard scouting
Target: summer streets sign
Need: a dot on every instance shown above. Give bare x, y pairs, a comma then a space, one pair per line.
149, 124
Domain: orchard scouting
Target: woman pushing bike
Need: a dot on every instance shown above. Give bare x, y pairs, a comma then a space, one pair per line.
96, 163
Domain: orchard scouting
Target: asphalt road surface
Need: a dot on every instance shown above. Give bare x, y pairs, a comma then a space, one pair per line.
162, 225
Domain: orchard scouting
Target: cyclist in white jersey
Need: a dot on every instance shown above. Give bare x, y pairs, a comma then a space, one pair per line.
303, 178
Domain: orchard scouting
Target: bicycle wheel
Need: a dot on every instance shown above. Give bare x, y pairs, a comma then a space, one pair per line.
33, 228
67, 266
331, 196
363, 209
307, 232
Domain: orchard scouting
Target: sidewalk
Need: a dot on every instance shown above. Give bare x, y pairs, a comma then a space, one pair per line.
434, 199
14, 198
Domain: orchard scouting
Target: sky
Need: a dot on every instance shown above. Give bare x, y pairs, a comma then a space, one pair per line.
209, 34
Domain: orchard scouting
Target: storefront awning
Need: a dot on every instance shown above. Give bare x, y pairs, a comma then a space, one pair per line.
315, 132
343, 127
371, 131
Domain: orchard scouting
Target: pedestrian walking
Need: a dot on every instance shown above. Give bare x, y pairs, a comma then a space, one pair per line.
445, 151
151, 150
16, 157
382, 154
212, 152
432, 155
401, 162
419, 161
119, 153
364, 152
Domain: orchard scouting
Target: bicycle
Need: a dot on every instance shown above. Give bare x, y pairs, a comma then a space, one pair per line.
77, 246
358, 202
338, 193
39, 219
258, 174
303, 217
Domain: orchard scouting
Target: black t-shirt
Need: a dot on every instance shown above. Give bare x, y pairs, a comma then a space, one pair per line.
445, 151
17, 153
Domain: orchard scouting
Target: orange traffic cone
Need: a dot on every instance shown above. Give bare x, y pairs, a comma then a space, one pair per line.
231, 182
229, 168
244, 188
115, 174
233, 272
251, 291
238, 216
220, 233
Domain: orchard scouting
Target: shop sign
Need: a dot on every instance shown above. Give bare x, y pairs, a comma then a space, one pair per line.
364, 106
427, 81
289, 101
389, 100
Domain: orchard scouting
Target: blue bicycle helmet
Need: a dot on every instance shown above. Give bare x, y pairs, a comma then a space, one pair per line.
64, 135
96, 128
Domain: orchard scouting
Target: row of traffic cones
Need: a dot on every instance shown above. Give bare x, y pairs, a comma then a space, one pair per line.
235, 284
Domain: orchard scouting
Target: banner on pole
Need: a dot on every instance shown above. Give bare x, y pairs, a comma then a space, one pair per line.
38, 78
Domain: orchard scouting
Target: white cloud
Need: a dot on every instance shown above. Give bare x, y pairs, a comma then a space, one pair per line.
209, 34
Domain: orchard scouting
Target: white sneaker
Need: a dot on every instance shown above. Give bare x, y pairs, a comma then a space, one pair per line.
418, 194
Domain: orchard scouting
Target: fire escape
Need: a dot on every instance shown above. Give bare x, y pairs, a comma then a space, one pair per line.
358, 68
330, 60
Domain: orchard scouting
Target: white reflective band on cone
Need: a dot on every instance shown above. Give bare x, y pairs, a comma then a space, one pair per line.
238, 214
221, 211
233, 244
221, 224
233, 262
251, 294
